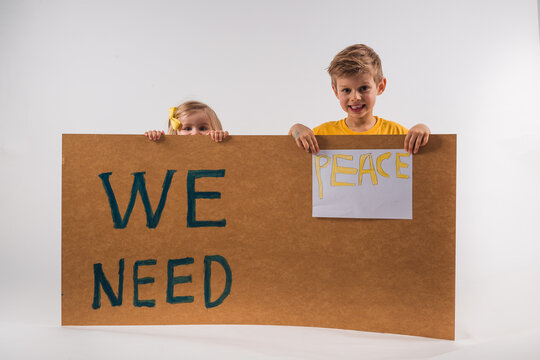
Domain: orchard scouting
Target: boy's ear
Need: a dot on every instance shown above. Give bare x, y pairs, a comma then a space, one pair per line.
334, 89
381, 86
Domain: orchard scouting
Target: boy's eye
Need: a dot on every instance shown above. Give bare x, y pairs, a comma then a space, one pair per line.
364, 88
346, 90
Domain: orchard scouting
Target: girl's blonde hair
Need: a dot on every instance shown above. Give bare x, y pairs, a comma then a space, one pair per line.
188, 108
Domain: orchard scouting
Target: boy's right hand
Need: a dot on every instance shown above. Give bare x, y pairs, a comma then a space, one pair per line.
154, 135
304, 137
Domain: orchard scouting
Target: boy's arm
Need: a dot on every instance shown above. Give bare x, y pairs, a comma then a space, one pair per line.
304, 137
417, 136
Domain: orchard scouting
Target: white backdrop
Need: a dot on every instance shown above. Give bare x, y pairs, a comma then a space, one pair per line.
463, 66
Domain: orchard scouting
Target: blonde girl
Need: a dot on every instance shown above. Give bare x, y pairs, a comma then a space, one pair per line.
191, 118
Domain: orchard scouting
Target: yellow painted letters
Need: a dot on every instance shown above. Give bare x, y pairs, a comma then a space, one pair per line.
380, 159
341, 170
318, 167
370, 171
400, 164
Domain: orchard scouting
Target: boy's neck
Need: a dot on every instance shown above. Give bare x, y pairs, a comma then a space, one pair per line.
362, 124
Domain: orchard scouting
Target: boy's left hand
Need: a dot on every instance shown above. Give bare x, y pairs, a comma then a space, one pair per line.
218, 135
417, 136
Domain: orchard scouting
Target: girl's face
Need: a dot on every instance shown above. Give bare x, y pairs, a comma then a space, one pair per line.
196, 123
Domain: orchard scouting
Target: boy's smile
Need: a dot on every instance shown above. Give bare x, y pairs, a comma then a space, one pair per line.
356, 95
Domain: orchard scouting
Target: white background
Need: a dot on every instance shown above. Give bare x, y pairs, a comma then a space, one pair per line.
463, 66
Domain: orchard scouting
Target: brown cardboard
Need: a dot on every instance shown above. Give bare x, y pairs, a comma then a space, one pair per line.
287, 268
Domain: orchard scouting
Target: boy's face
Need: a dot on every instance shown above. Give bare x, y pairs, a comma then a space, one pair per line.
357, 94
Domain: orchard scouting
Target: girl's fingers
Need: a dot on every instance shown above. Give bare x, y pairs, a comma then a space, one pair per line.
153, 135
218, 135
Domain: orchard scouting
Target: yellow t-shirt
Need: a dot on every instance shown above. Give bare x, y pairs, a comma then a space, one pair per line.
381, 127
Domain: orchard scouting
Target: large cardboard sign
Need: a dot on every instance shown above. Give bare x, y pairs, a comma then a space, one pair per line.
188, 231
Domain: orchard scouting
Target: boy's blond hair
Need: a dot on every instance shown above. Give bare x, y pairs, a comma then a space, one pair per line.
188, 108
356, 59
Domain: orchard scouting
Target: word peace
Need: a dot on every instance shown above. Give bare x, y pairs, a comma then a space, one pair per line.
372, 168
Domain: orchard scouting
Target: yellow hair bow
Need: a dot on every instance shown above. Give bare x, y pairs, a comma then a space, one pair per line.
175, 123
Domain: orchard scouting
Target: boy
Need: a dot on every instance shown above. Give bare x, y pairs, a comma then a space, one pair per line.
357, 80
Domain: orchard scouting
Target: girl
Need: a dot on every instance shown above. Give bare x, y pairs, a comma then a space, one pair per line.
191, 118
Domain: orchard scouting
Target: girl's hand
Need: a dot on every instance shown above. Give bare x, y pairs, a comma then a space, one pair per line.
218, 135
154, 135
417, 136
304, 137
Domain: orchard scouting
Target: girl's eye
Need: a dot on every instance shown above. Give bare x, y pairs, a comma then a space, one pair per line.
187, 128
203, 128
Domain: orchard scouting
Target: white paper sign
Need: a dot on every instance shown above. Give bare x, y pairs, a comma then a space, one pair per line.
367, 183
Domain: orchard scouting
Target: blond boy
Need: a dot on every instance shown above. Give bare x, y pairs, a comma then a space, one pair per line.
357, 79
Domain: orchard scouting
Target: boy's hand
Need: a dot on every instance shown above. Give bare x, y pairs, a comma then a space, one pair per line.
417, 136
218, 135
304, 137
154, 135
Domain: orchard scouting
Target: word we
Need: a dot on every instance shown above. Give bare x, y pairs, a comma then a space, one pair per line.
152, 218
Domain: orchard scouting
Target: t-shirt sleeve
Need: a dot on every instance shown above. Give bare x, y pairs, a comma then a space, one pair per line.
402, 130
327, 128
393, 128
317, 130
